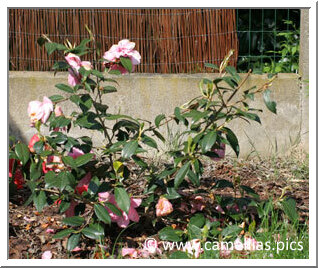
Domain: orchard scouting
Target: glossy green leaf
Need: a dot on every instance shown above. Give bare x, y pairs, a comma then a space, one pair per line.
102, 213
73, 241
181, 174
271, 105
158, 119
129, 149
126, 62
122, 199
63, 233
73, 221
208, 141
22, 152
65, 88
83, 159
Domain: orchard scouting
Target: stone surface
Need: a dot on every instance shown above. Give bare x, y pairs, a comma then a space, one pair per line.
147, 95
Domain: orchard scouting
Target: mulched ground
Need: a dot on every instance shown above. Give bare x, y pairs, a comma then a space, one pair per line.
28, 237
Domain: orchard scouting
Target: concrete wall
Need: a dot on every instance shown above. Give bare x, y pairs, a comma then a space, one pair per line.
147, 95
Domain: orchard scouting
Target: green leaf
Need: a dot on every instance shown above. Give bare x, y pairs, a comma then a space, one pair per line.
113, 208
208, 141
170, 234
102, 213
271, 105
126, 62
211, 65
74, 221
289, 207
40, 201
50, 180
181, 174
83, 159
198, 220
22, 152
231, 230
194, 178
35, 171
66, 178
139, 161
194, 232
149, 141
230, 136
109, 89
73, 241
223, 184
159, 135
172, 193
63, 233
56, 98
158, 119
65, 88
69, 161
60, 65
50, 47
122, 199
94, 231
129, 149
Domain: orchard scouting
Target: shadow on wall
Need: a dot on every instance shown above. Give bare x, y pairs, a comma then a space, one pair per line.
15, 131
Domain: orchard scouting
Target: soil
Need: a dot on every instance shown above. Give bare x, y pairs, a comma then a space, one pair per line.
29, 234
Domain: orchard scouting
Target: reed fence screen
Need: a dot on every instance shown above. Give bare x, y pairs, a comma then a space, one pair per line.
169, 40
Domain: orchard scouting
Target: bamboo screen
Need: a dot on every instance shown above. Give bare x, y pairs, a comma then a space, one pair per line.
169, 40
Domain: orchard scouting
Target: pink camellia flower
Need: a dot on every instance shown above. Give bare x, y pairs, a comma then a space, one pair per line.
163, 207
250, 243
74, 61
86, 65
75, 152
197, 204
76, 249
121, 220
81, 187
58, 111
131, 252
35, 138
52, 163
219, 209
74, 77
83, 184
40, 110
193, 247
47, 254
125, 48
50, 231
220, 152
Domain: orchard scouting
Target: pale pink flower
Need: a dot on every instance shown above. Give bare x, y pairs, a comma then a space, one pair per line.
193, 247
163, 207
58, 111
76, 249
124, 219
197, 204
52, 163
50, 231
124, 48
86, 65
73, 79
74, 61
35, 111
47, 106
131, 252
40, 110
47, 255
75, 152
220, 152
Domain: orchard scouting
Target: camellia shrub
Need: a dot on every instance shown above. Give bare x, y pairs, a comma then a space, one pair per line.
87, 182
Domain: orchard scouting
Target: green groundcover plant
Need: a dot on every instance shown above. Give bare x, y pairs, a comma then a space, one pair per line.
87, 182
